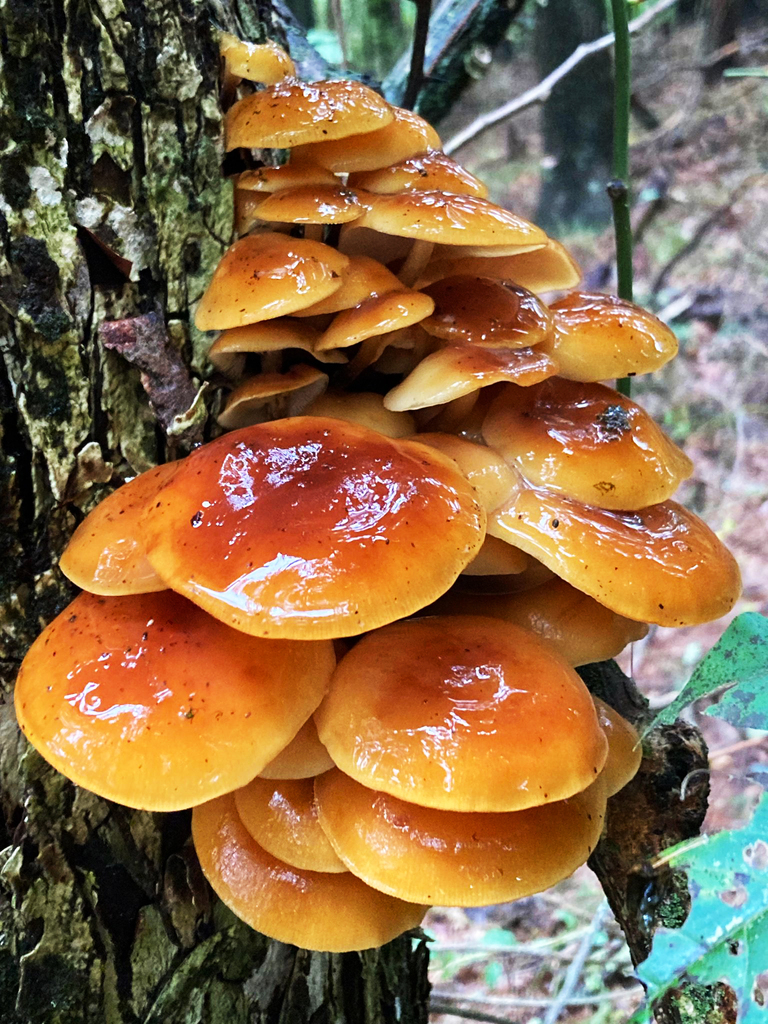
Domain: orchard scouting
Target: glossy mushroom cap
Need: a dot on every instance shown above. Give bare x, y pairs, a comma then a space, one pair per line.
310, 204
303, 758
434, 171
577, 627
625, 751
547, 268
477, 311
148, 701
291, 113
365, 409
270, 395
493, 481
601, 336
452, 858
104, 555
264, 276
586, 441
311, 527
282, 818
290, 175
406, 135
335, 913
258, 62
495, 558
375, 316
661, 564
363, 278
462, 713
229, 350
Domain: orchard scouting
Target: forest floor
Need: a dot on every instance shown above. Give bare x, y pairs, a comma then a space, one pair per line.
701, 263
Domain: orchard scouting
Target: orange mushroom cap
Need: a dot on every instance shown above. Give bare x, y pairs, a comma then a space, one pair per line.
229, 350
270, 395
309, 204
433, 171
303, 758
291, 113
457, 858
363, 278
547, 268
365, 409
104, 555
579, 628
494, 482
477, 311
625, 751
258, 62
335, 913
148, 701
264, 276
586, 441
661, 564
406, 135
311, 527
601, 336
290, 175
282, 818
379, 315
462, 713
495, 558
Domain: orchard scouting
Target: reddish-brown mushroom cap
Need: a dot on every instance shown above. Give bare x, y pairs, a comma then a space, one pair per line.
291, 113
264, 276
458, 370
463, 713
148, 701
104, 555
434, 171
303, 758
477, 311
406, 135
625, 751
335, 913
457, 858
601, 336
661, 564
282, 818
311, 527
586, 441
578, 628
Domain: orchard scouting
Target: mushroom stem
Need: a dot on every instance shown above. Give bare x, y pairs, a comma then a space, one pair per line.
417, 260
314, 232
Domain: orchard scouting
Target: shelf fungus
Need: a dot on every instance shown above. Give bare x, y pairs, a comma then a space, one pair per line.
426, 480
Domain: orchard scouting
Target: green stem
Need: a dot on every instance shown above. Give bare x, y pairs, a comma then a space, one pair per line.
618, 189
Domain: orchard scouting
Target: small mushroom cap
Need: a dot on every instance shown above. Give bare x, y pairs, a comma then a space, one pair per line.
292, 112
463, 713
406, 135
379, 315
148, 701
334, 913
376, 529
282, 818
578, 628
601, 336
290, 175
303, 758
477, 311
458, 370
362, 278
230, 348
586, 441
365, 409
310, 204
266, 63
625, 751
265, 276
457, 858
432, 171
495, 558
548, 268
661, 564
271, 395
104, 555
449, 218
492, 479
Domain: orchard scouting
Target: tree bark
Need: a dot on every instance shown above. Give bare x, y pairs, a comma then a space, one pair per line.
113, 206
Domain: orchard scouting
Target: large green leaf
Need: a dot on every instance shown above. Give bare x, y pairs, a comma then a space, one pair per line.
725, 936
738, 660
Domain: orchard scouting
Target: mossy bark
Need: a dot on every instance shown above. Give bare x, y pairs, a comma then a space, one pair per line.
113, 206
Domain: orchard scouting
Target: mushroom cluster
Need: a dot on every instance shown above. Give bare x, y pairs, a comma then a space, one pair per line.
346, 632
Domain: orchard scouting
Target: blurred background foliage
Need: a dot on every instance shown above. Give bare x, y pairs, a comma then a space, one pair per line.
699, 167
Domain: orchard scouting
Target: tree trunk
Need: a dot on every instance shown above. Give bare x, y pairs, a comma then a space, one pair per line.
113, 205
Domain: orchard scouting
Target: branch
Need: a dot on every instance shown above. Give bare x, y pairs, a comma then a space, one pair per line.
541, 91
418, 51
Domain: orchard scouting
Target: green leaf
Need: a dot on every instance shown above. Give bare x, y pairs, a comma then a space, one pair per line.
738, 660
725, 936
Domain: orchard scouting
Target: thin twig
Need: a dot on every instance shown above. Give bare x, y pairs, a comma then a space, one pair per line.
576, 967
456, 1011
418, 50
614, 995
541, 91
618, 188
